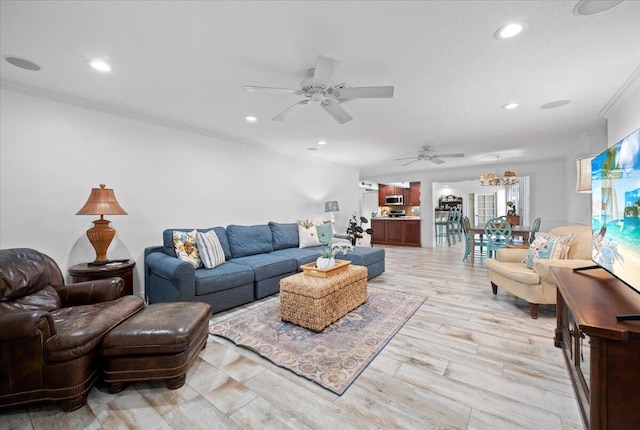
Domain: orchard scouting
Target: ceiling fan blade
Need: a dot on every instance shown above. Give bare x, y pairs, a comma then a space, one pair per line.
324, 69
366, 93
291, 110
408, 158
336, 111
436, 160
450, 155
417, 159
254, 89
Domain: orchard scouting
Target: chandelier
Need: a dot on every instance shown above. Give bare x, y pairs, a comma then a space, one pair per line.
493, 180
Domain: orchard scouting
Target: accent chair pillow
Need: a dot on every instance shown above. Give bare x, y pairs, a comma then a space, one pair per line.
308, 236
210, 249
184, 243
548, 246
325, 233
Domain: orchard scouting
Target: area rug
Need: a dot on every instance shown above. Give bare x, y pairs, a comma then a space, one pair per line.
333, 358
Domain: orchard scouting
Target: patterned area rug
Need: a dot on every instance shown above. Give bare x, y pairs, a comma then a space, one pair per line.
334, 358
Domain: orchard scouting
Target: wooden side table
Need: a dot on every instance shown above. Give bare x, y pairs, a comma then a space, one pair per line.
83, 272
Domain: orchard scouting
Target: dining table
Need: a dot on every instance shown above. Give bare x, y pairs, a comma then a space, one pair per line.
521, 231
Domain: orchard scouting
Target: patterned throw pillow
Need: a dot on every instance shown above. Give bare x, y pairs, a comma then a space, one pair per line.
186, 249
308, 236
548, 246
210, 249
325, 233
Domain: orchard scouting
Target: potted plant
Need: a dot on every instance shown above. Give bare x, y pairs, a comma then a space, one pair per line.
326, 260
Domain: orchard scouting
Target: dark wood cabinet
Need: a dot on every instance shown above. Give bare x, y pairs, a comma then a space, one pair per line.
414, 194
601, 353
401, 232
383, 191
83, 272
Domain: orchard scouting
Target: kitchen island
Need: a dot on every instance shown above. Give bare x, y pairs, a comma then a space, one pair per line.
399, 231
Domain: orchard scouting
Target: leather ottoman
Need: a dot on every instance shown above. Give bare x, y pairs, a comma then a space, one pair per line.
160, 342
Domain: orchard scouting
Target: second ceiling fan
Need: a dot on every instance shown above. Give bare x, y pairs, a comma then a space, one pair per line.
317, 87
429, 153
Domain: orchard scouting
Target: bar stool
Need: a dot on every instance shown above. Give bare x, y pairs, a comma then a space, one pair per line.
441, 223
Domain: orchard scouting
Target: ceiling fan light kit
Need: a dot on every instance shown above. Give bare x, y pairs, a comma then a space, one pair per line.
317, 87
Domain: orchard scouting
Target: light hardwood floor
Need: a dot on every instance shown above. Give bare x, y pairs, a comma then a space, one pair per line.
466, 360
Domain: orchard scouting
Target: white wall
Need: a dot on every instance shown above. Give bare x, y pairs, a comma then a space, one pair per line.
624, 118
52, 154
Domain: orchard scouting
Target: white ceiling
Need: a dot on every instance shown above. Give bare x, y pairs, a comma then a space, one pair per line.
185, 62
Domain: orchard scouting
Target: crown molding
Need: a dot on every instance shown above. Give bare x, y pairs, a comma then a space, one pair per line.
628, 88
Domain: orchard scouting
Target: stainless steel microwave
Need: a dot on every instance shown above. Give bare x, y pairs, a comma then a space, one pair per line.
394, 199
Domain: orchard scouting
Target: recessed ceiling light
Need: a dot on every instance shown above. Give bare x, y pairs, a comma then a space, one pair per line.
322, 142
509, 30
99, 65
250, 118
593, 7
22, 63
556, 104
510, 106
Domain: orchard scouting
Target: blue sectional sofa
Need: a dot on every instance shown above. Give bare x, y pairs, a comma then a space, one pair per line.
256, 258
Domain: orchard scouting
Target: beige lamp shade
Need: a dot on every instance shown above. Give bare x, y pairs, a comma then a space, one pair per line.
102, 201
583, 180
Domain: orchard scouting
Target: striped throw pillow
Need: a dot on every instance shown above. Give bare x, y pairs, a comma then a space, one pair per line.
210, 249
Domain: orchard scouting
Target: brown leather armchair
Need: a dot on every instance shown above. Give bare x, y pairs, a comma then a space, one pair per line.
49, 332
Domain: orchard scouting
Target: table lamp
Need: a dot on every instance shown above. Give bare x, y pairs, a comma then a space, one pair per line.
332, 206
102, 201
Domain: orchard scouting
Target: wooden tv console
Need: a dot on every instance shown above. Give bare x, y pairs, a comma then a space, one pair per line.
602, 354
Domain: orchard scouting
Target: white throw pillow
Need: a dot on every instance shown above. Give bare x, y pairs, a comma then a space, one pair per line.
211, 252
308, 236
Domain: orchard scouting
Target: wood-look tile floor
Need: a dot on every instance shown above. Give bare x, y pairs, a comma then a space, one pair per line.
466, 360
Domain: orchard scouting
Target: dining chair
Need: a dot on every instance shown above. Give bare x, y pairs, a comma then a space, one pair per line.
532, 235
498, 233
470, 241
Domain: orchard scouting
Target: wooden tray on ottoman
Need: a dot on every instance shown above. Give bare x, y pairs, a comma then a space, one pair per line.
315, 302
312, 270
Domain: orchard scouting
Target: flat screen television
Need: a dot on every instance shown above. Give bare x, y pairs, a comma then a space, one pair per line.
615, 191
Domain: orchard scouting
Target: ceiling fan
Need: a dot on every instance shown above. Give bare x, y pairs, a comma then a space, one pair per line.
428, 153
317, 87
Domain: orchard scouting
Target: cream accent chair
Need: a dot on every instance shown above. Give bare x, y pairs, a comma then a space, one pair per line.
537, 286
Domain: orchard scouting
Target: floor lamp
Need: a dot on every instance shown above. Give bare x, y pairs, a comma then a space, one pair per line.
332, 206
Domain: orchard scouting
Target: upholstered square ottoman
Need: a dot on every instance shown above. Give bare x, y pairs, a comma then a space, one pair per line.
160, 342
314, 302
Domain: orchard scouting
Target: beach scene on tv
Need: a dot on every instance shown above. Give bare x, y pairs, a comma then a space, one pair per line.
615, 188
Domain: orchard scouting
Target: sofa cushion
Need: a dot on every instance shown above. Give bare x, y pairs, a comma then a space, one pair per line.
167, 240
325, 233
29, 273
186, 248
548, 246
284, 235
301, 255
223, 277
267, 265
247, 240
75, 337
308, 236
515, 271
210, 249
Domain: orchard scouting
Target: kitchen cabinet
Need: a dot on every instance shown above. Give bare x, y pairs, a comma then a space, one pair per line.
400, 232
383, 190
414, 194
602, 354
